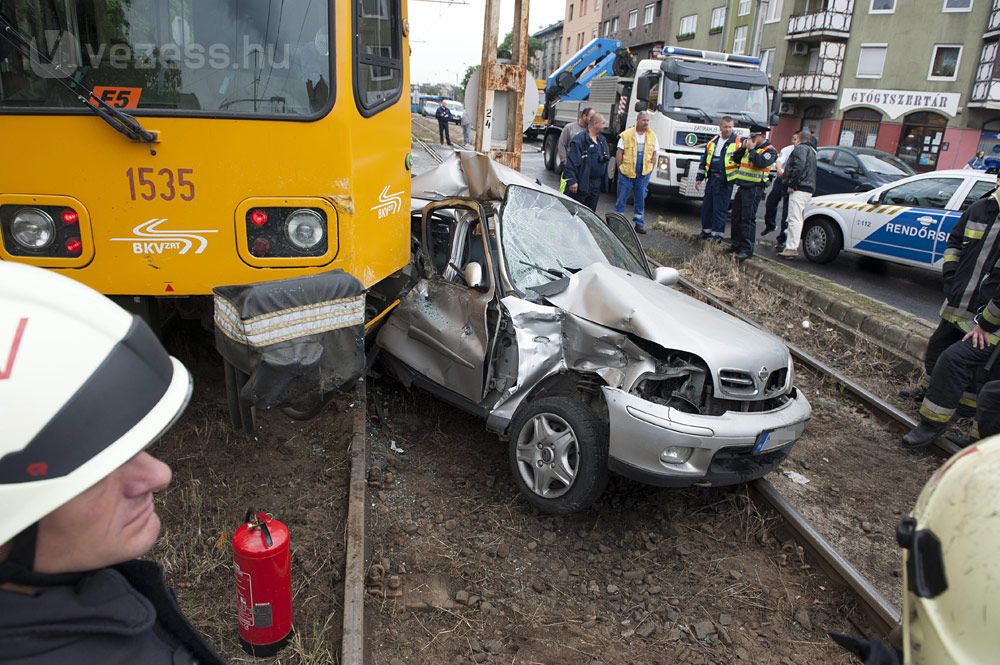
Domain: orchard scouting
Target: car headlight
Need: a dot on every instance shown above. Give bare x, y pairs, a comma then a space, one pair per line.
304, 229
33, 228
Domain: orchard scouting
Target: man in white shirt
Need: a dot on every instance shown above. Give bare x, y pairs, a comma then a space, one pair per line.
636, 159
779, 195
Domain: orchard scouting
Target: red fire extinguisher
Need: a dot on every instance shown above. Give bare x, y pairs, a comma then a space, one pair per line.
262, 563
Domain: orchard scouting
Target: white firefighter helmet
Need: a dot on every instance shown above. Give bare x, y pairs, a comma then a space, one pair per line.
84, 386
951, 581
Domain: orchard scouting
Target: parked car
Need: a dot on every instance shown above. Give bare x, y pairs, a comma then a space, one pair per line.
907, 221
530, 311
429, 108
457, 110
842, 169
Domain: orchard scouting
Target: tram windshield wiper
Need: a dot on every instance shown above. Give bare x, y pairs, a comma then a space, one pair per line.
120, 121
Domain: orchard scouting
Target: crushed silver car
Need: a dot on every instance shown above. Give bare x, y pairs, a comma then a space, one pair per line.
546, 320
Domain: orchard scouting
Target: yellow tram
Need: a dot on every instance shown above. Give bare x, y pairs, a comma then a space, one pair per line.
263, 139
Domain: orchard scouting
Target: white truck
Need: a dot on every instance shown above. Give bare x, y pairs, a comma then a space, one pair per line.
687, 92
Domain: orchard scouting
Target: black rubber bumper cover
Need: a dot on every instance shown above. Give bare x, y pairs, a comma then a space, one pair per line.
730, 466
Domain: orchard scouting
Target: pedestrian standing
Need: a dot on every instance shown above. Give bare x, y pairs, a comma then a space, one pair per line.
718, 167
971, 277
800, 178
636, 158
756, 156
443, 115
586, 163
978, 161
568, 133
466, 129
779, 195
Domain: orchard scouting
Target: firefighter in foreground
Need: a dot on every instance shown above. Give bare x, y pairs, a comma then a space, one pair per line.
85, 388
951, 571
755, 157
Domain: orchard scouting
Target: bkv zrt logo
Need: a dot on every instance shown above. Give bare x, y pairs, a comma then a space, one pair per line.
149, 238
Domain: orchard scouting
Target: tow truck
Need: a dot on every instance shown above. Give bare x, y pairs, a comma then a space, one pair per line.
687, 92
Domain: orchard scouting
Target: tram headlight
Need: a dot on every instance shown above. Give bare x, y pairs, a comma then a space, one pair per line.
305, 229
33, 228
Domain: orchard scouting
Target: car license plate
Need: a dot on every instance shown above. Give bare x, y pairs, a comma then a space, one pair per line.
771, 439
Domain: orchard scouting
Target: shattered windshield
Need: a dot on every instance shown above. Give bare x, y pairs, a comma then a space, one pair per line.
185, 57
547, 237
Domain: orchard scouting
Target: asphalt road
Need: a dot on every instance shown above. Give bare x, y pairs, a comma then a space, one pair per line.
909, 289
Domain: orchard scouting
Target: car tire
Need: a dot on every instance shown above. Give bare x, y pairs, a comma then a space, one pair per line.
550, 151
821, 240
564, 433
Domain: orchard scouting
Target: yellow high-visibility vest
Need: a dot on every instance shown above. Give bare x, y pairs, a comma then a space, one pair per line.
631, 150
728, 162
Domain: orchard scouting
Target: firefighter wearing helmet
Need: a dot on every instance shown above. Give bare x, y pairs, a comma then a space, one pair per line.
85, 388
951, 567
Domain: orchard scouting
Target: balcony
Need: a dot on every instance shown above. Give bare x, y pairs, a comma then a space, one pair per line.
993, 24
986, 87
818, 25
813, 86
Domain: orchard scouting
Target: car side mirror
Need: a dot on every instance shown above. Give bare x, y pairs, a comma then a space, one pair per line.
666, 276
874, 199
641, 106
473, 275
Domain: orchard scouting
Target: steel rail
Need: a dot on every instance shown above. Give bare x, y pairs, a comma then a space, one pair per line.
352, 645
884, 615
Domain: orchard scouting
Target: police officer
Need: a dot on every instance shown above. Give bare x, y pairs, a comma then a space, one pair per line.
718, 167
755, 156
443, 115
971, 278
76, 487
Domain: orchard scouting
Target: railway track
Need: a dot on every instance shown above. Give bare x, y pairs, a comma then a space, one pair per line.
884, 616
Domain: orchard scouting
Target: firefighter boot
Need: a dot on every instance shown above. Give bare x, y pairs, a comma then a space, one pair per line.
916, 394
923, 434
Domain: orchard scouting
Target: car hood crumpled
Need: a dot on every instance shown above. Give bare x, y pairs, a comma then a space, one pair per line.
630, 303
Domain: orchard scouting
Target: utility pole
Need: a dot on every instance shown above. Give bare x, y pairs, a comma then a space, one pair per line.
502, 77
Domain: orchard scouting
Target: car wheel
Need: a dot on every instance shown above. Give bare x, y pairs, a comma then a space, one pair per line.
549, 151
559, 455
821, 240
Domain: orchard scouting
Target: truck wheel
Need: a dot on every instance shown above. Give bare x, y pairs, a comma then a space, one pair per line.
821, 240
558, 455
549, 151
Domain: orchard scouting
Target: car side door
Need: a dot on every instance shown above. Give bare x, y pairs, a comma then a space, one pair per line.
903, 221
440, 327
974, 190
829, 180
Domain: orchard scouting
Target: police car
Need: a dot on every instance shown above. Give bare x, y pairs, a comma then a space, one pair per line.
906, 221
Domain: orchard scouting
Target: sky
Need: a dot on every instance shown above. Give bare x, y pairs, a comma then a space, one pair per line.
447, 37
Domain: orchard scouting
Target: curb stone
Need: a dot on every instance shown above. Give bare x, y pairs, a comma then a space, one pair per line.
904, 337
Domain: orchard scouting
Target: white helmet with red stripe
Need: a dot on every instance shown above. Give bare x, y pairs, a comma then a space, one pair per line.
84, 386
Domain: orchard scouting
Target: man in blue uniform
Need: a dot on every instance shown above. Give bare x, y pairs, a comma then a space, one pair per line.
755, 156
443, 115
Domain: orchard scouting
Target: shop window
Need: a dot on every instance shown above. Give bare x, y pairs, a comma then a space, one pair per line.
860, 128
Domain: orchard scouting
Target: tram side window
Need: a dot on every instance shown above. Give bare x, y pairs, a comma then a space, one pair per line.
378, 74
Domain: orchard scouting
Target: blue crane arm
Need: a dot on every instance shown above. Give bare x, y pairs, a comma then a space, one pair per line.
571, 81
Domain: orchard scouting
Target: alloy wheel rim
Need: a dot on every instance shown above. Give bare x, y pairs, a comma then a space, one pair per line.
548, 455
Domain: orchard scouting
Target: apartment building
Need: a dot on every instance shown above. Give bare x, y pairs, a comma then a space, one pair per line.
579, 26
641, 25
551, 56
914, 78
